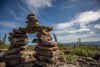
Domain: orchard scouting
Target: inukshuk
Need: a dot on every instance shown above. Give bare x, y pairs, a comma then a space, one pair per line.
46, 51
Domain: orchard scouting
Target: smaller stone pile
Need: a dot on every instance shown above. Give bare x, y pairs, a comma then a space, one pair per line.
47, 50
15, 55
32, 21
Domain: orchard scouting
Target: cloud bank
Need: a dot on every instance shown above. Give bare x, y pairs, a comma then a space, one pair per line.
79, 26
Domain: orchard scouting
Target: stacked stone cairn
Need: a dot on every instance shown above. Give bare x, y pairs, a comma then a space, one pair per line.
46, 51
15, 56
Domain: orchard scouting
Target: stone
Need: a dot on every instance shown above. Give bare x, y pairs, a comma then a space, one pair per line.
45, 32
18, 31
31, 16
82, 60
20, 35
97, 56
31, 53
32, 26
47, 43
47, 59
19, 43
40, 63
44, 37
94, 63
29, 64
27, 58
89, 59
2, 64
2, 53
47, 52
12, 39
13, 50
9, 57
35, 41
14, 61
48, 48
32, 22
67, 52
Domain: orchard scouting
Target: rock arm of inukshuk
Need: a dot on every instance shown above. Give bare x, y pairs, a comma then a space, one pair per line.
46, 51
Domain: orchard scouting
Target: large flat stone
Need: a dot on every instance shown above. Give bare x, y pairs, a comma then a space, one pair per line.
18, 35
44, 37
47, 52
47, 43
40, 63
19, 43
47, 59
18, 31
13, 50
29, 64
14, 61
48, 48
14, 56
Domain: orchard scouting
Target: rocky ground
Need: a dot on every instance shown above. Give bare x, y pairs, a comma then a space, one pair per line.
81, 62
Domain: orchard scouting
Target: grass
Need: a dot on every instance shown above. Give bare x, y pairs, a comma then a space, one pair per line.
83, 50
4, 46
70, 57
31, 47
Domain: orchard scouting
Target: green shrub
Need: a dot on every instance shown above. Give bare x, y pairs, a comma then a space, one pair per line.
69, 57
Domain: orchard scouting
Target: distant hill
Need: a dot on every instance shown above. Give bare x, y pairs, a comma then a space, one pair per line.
92, 42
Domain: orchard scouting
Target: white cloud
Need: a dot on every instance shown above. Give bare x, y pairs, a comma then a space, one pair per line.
35, 5
9, 24
78, 27
81, 21
88, 16
97, 26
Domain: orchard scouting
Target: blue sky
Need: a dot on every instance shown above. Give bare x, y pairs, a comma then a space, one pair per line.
70, 19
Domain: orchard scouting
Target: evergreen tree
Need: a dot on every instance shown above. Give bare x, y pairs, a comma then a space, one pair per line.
79, 42
55, 37
4, 38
